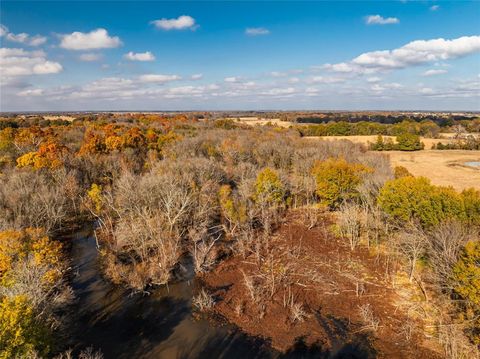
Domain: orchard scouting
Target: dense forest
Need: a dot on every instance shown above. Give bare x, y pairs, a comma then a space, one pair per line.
300, 228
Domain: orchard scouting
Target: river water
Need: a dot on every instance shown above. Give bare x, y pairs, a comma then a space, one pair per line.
159, 325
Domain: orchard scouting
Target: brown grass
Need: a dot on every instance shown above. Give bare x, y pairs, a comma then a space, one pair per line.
443, 168
258, 121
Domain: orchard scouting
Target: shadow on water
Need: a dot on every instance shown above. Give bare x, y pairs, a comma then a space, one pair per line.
160, 325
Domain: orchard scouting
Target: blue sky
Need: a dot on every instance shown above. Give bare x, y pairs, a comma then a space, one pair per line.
120, 55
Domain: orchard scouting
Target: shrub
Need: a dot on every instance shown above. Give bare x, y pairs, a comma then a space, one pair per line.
409, 142
226, 124
382, 145
337, 180
400, 171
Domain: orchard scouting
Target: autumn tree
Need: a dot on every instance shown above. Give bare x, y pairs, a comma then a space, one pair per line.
471, 203
17, 245
269, 188
337, 180
232, 209
93, 143
466, 273
49, 155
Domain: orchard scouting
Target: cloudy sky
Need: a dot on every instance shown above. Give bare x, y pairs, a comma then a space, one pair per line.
119, 55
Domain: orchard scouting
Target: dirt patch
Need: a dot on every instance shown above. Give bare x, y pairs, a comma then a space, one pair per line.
311, 289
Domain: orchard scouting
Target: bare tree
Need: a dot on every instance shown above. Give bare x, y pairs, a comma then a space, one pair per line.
445, 242
349, 222
411, 242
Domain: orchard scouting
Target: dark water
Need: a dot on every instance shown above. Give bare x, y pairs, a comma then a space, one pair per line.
160, 325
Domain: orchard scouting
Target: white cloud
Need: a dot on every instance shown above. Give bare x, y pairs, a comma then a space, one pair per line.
197, 77
278, 74
3, 30
180, 23
255, 31
433, 72
22, 38
109, 84
279, 91
380, 20
374, 79
95, 39
232, 79
31, 92
158, 78
312, 91
340, 67
426, 91
434, 7
463, 89
139, 56
414, 53
90, 57
327, 79
388, 86
47, 67
19, 62
293, 80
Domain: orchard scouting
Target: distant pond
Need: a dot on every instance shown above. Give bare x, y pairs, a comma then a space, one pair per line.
475, 164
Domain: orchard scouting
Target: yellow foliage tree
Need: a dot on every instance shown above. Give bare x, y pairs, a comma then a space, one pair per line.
27, 160
49, 155
269, 187
17, 245
337, 180
95, 196
22, 335
113, 143
232, 210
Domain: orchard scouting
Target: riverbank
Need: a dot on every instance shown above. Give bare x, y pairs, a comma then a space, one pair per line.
325, 296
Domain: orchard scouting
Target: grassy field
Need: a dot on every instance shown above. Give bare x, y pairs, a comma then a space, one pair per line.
254, 121
445, 168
